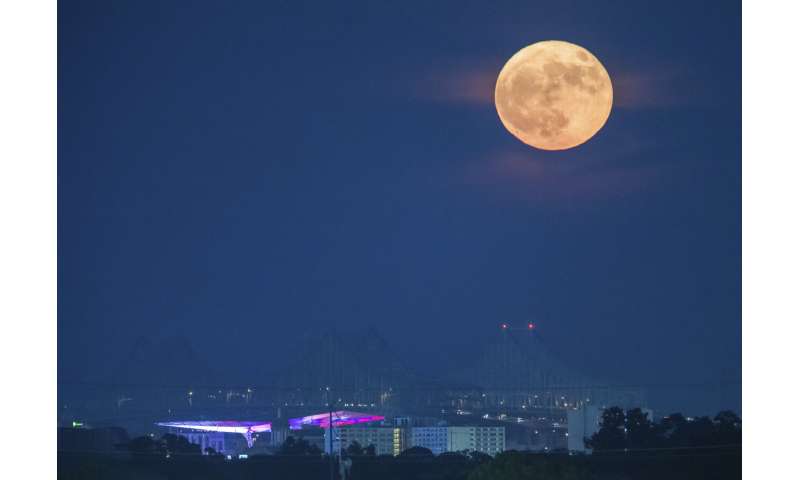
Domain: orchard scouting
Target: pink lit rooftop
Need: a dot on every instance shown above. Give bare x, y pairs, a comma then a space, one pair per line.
340, 418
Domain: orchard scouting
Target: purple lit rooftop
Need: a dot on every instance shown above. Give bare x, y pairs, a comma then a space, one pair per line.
340, 418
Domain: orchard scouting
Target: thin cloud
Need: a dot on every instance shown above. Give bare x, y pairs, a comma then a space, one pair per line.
571, 176
460, 85
663, 87
651, 88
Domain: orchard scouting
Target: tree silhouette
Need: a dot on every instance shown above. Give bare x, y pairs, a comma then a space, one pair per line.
416, 452
633, 431
611, 435
291, 446
144, 446
728, 428
354, 449
699, 433
478, 457
179, 445
639, 430
512, 465
672, 427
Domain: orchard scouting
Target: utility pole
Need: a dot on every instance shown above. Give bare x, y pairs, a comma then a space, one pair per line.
330, 435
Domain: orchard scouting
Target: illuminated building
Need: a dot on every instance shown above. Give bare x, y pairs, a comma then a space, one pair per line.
386, 440
247, 429
345, 418
581, 424
488, 440
432, 438
340, 418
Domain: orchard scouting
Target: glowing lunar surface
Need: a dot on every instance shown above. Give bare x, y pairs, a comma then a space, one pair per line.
553, 95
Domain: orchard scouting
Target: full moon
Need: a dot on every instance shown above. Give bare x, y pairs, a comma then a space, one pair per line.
553, 95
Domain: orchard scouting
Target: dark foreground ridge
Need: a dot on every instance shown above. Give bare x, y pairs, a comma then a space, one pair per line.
717, 463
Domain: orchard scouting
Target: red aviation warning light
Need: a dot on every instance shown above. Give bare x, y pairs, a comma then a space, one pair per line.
531, 326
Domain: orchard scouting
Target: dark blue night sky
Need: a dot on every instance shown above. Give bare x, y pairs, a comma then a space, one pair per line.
242, 173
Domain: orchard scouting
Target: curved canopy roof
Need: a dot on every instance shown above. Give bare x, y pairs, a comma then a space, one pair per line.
225, 426
340, 418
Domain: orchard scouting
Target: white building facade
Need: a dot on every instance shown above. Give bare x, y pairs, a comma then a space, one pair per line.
432, 438
386, 440
490, 440
582, 424
392, 440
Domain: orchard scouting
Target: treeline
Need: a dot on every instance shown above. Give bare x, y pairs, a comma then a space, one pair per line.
166, 446
632, 431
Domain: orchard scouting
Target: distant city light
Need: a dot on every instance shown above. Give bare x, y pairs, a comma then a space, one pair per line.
504, 326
